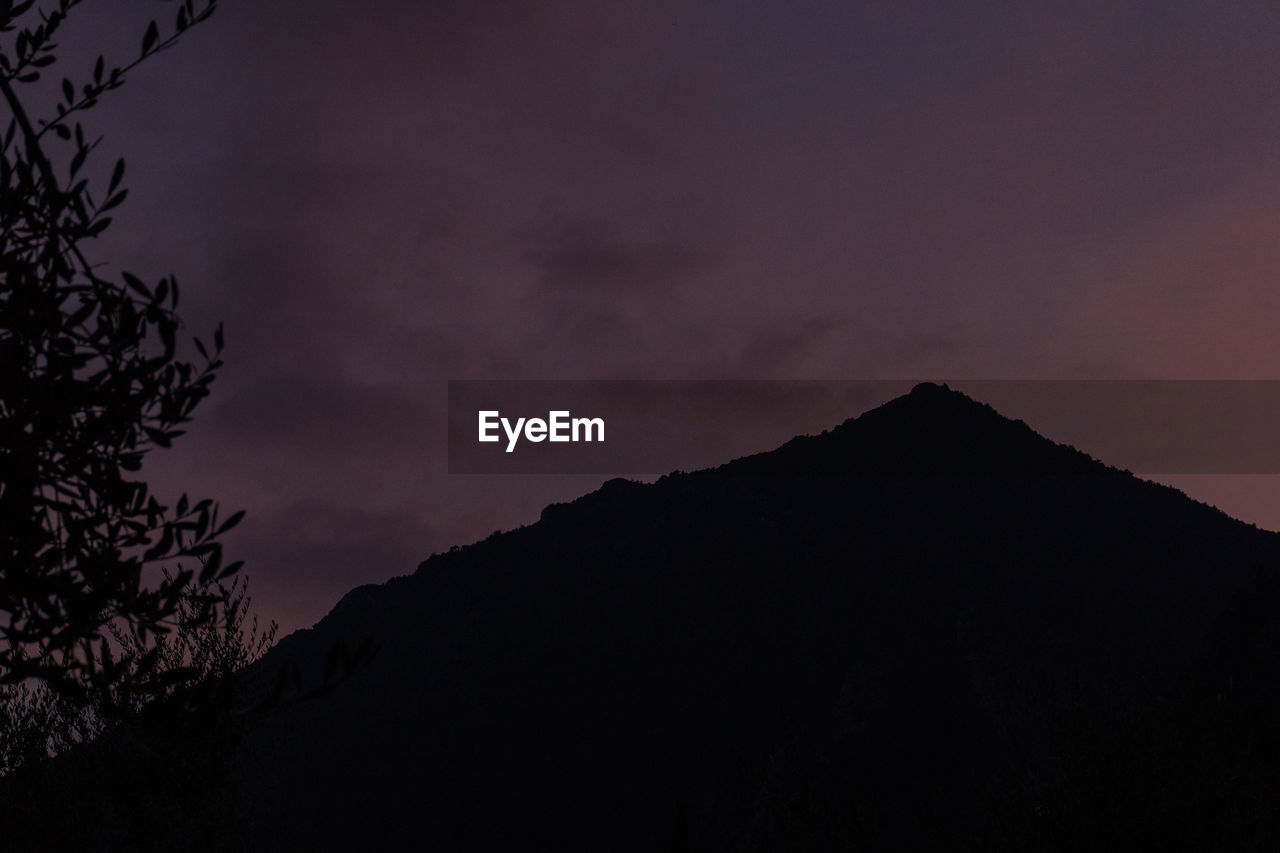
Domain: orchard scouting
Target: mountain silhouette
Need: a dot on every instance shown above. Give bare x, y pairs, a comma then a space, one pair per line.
923, 629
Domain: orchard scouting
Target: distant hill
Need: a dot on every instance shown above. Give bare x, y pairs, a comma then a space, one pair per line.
928, 628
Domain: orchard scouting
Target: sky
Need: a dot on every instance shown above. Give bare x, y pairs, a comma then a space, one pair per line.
376, 198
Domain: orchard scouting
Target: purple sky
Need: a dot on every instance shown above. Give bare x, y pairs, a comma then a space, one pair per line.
377, 197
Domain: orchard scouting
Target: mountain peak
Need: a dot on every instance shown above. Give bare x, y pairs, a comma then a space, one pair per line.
933, 429
926, 389
712, 635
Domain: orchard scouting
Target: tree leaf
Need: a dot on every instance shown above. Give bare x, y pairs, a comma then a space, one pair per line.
117, 174
150, 38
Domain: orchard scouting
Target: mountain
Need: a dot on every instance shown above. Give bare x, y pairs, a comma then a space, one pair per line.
927, 628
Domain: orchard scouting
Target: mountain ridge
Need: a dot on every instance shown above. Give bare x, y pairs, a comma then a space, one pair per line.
921, 592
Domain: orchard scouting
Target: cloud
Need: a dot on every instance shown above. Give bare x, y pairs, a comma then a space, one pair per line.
591, 255
788, 350
377, 199
304, 555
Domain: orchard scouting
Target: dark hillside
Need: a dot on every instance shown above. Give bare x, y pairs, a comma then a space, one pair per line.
877, 637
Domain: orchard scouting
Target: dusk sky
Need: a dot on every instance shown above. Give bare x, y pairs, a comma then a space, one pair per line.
377, 198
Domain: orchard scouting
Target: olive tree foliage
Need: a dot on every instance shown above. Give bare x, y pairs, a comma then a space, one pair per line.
90, 382
204, 657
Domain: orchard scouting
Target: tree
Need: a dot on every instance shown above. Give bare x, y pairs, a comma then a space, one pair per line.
90, 382
143, 773
200, 657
